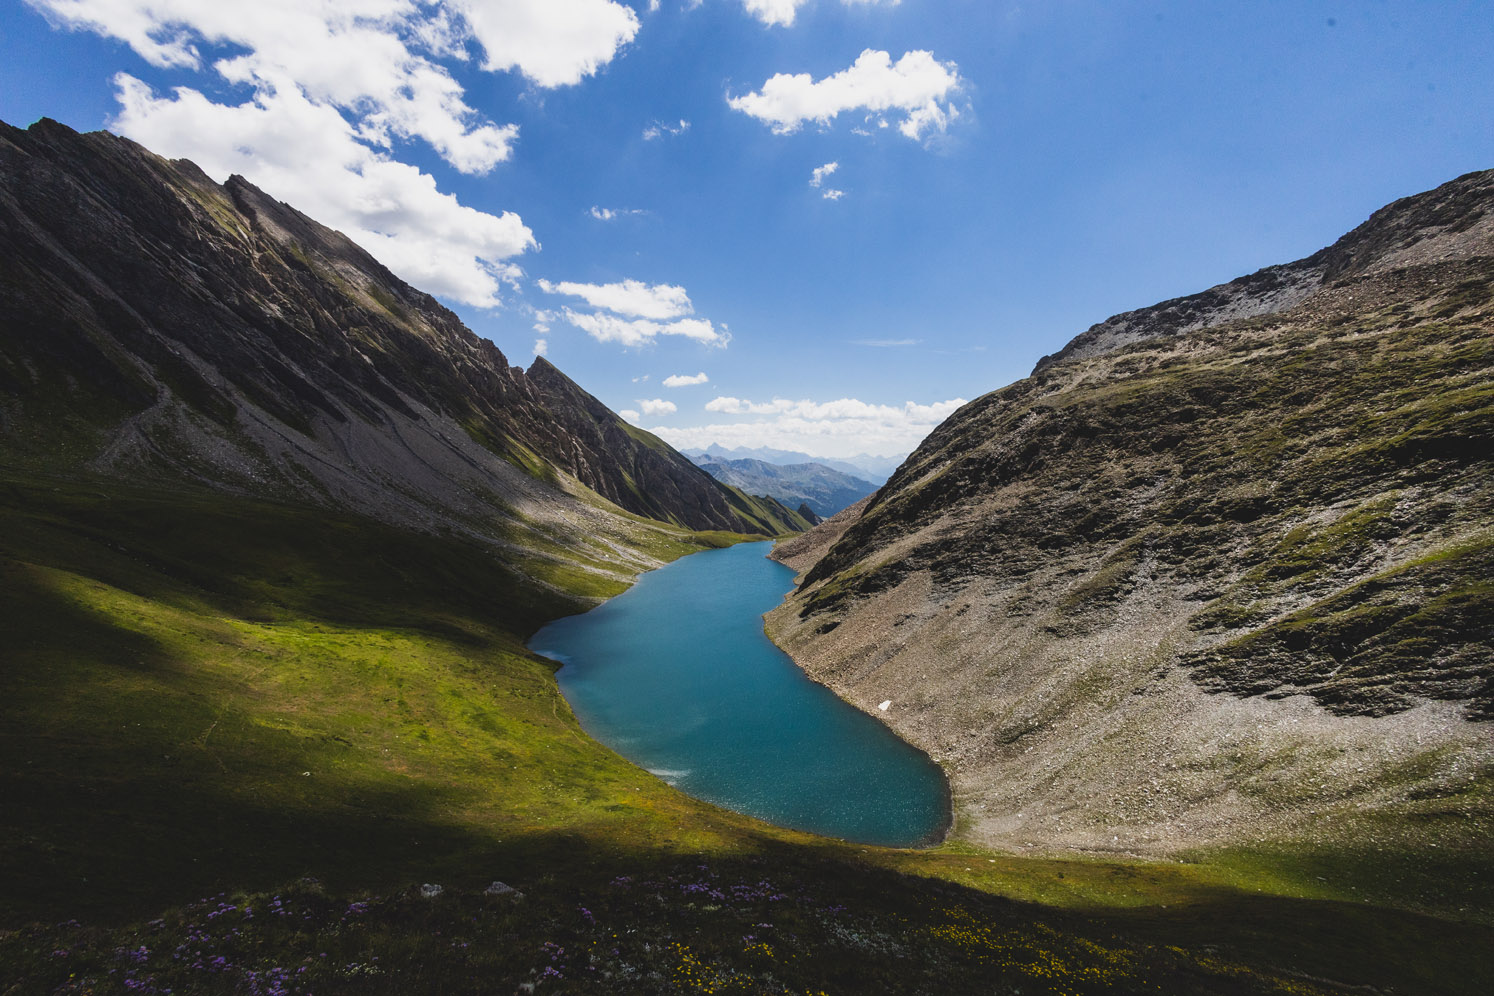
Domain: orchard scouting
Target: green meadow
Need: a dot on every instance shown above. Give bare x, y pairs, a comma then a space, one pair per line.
238, 737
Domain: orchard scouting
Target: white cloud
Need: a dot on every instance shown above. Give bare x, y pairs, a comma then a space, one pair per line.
917, 84
929, 116
641, 331
682, 380
629, 415
336, 47
541, 347
335, 84
629, 297
838, 428
612, 214
658, 406
833, 195
659, 129
774, 11
307, 154
552, 42
817, 179
782, 12
358, 56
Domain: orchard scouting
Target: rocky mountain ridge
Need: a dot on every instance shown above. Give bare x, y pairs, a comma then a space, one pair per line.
865, 466
1217, 573
823, 490
160, 326
1429, 228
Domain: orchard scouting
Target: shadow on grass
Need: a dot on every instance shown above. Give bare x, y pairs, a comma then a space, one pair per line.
261, 560
139, 775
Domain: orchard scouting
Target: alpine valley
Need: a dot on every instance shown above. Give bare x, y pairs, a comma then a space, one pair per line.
1196, 619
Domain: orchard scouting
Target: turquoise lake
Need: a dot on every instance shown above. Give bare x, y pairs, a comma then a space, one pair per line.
676, 675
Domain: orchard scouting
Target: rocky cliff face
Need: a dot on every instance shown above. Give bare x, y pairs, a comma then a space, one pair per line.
1217, 572
158, 325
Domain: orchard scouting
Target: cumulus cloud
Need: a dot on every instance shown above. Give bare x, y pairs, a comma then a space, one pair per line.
334, 85
635, 313
839, 428
641, 331
783, 12
683, 380
917, 85
370, 57
541, 347
629, 415
833, 195
659, 128
307, 154
552, 42
780, 12
658, 406
628, 297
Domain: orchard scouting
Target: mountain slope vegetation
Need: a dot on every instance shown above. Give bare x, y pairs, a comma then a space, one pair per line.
1215, 576
273, 531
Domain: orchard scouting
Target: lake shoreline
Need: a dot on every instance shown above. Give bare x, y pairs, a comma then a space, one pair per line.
934, 838
680, 675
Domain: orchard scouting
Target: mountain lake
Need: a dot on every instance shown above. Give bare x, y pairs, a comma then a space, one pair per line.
677, 675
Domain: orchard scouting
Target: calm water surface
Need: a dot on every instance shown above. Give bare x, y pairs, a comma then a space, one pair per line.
676, 674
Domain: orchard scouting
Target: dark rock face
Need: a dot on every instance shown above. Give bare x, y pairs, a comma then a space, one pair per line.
823, 490
1305, 455
155, 323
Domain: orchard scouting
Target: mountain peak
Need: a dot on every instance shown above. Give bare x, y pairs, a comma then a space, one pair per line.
215, 334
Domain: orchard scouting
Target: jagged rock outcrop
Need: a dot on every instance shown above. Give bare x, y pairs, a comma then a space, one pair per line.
157, 325
1217, 572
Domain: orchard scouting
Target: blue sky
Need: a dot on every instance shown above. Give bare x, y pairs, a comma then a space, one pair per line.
1006, 174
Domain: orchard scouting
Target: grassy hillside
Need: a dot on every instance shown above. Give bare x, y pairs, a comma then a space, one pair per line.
211, 702
235, 691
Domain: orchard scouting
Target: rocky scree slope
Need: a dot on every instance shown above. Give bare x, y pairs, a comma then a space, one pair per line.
824, 490
1220, 572
161, 326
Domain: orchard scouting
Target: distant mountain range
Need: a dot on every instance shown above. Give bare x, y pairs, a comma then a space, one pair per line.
824, 490
875, 469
